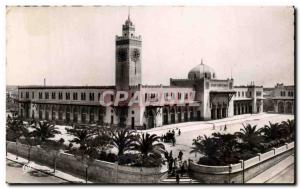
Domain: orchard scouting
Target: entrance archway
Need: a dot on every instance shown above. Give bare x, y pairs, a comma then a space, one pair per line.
165, 116
280, 107
185, 115
289, 108
172, 115
150, 119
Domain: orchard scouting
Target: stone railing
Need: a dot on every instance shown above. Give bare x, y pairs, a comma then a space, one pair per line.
244, 170
98, 171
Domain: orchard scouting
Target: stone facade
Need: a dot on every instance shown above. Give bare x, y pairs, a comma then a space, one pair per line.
280, 99
200, 96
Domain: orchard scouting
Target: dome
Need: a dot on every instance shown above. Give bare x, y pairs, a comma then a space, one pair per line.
200, 71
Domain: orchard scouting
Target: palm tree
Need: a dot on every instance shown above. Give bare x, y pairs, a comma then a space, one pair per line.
44, 131
206, 146
81, 137
250, 136
148, 144
14, 130
289, 125
54, 149
30, 139
122, 140
271, 131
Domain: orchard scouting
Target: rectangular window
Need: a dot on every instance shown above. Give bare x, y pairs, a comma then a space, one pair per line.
46, 95
179, 96
152, 95
112, 98
82, 96
75, 97
40, 95
21, 94
145, 96
258, 93
27, 94
67, 96
32, 95
60, 96
53, 95
92, 97
186, 96
99, 95
239, 94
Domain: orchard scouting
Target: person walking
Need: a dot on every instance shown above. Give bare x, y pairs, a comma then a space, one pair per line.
179, 132
177, 178
180, 154
171, 161
225, 127
182, 171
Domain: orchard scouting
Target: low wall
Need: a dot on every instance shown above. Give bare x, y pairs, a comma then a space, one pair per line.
252, 167
99, 171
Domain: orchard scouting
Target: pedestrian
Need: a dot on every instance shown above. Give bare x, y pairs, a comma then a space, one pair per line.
225, 127
171, 161
182, 171
173, 132
180, 155
185, 165
177, 178
179, 132
176, 164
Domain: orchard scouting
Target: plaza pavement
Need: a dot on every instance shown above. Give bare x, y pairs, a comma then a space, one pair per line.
190, 130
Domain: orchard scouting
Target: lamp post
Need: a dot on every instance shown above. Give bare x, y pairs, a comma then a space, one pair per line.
229, 172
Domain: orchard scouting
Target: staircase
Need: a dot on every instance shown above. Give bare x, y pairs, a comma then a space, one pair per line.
185, 179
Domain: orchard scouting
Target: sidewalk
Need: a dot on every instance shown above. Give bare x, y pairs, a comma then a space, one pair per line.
273, 171
46, 169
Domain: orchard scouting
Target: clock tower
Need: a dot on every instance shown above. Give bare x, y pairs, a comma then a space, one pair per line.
128, 57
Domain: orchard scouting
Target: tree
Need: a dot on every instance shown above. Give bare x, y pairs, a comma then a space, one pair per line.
149, 148
14, 129
87, 155
81, 137
289, 126
251, 138
44, 131
220, 149
54, 149
122, 140
271, 132
30, 139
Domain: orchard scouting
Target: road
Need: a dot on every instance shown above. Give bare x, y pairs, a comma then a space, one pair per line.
285, 176
16, 175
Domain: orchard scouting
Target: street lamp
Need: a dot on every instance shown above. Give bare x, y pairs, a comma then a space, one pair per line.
229, 172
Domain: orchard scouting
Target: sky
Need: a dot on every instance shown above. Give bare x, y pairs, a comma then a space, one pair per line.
76, 45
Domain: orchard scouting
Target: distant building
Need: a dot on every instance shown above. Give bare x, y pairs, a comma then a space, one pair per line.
280, 99
200, 96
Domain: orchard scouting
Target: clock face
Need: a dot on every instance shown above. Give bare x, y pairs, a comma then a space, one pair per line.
122, 55
135, 55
